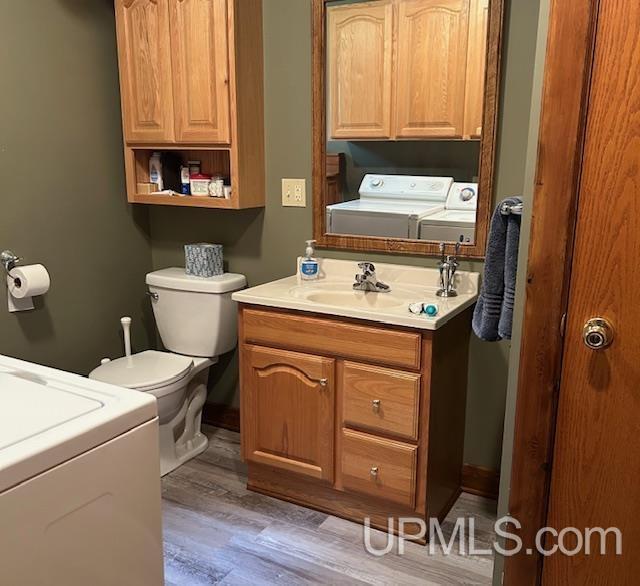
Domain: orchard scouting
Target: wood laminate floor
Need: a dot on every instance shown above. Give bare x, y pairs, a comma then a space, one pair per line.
218, 532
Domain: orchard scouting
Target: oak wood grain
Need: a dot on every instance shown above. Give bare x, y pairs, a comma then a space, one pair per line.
379, 467
597, 443
572, 27
431, 76
380, 399
200, 60
359, 63
210, 99
476, 68
334, 337
289, 417
145, 70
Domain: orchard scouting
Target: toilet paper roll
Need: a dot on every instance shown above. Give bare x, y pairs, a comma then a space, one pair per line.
28, 281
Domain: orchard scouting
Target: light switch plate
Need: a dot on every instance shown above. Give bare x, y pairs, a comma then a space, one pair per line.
294, 193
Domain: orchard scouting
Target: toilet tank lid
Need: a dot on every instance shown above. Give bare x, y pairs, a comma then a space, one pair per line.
176, 278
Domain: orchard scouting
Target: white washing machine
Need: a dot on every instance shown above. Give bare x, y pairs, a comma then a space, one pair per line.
80, 498
390, 206
457, 223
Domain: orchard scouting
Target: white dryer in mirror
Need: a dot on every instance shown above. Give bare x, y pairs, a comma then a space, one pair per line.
389, 206
457, 222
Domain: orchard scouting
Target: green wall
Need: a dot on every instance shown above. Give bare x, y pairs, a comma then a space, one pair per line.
263, 244
61, 173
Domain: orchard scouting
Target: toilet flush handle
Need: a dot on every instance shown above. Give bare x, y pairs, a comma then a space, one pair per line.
153, 295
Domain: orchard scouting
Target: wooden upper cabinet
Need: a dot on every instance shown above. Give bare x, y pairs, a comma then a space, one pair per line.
288, 411
431, 68
476, 67
360, 60
200, 58
145, 70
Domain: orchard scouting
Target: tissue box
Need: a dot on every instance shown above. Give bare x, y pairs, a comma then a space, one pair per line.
203, 260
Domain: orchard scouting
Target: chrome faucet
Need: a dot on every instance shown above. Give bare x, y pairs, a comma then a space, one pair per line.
448, 266
367, 280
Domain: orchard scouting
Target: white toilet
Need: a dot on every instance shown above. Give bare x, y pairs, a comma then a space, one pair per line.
197, 322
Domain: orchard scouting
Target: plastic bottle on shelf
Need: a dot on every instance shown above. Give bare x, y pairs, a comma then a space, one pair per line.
155, 170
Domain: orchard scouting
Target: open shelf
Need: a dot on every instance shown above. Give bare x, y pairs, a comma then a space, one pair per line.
186, 201
214, 162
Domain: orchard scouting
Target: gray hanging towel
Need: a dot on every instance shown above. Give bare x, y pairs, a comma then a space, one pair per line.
493, 315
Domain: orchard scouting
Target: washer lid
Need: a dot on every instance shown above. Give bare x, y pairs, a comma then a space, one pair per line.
48, 417
54, 406
145, 371
176, 278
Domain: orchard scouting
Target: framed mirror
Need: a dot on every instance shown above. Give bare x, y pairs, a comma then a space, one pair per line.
405, 97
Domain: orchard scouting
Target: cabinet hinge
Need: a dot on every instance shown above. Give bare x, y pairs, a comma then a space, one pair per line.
563, 324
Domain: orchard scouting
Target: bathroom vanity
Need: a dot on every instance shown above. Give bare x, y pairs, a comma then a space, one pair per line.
350, 404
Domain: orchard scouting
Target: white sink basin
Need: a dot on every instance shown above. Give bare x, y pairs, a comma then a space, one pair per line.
333, 294
354, 299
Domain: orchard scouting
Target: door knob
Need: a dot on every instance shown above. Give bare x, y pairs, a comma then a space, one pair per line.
597, 333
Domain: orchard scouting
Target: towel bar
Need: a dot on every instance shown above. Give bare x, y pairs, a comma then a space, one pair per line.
511, 208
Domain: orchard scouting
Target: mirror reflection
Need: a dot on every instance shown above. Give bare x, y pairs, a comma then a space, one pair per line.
404, 107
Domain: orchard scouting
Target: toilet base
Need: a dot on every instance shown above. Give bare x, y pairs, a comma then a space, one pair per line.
181, 439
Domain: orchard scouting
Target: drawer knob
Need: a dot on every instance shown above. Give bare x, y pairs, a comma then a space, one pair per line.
374, 472
375, 404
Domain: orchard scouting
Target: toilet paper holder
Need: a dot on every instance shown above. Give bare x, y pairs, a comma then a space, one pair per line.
9, 261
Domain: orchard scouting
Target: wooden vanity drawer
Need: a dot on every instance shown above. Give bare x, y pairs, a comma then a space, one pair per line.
378, 467
332, 337
381, 399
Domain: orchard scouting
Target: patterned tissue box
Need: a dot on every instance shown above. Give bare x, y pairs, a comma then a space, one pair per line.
203, 260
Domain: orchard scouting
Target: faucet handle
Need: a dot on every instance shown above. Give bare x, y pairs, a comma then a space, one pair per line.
368, 268
443, 248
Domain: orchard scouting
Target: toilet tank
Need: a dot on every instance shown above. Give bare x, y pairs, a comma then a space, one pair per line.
195, 316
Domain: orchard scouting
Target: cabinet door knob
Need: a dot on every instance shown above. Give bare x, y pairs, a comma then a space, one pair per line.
375, 404
323, 382
374, 472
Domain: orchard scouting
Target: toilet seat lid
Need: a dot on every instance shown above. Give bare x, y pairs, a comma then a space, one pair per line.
145, 371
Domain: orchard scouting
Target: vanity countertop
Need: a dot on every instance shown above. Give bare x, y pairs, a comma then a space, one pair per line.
333, 294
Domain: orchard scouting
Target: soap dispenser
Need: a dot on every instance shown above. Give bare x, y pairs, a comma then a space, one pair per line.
309, 266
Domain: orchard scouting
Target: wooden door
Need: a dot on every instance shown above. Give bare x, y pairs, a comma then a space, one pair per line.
431, 68
200, 53
288, 411
476, 68
596, 465
144, 56
360, 54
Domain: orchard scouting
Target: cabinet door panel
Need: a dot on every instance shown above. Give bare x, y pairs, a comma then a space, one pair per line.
360, 54
476, 68
431, 68
199, 41
145, 70
288, 411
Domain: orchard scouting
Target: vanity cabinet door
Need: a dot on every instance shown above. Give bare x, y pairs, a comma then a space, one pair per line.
200, 51
360, 59
144, 55
288, 411
431, 68
476, 67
